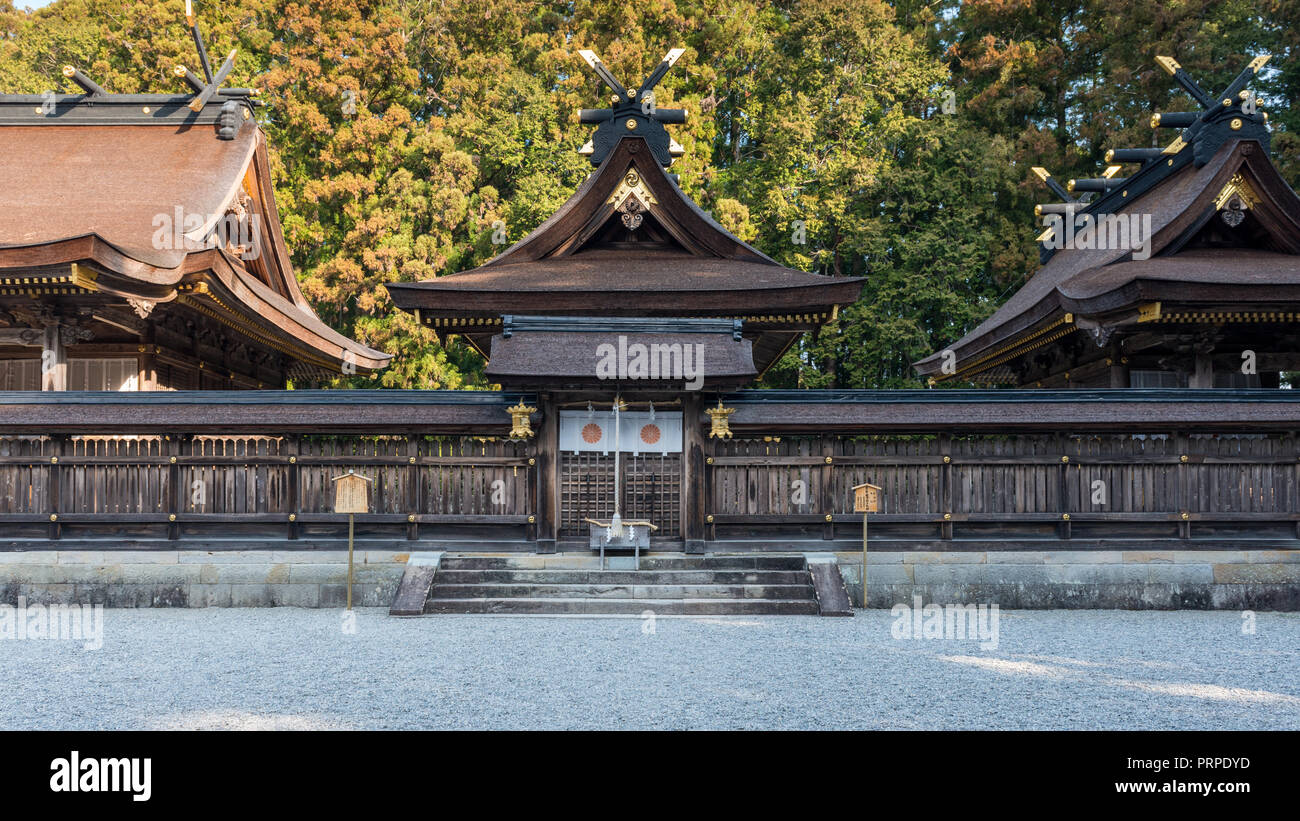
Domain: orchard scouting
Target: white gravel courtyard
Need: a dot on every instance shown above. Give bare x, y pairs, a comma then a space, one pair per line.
291, 668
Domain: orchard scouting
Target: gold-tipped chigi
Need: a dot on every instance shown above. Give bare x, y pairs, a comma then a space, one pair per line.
1169, 64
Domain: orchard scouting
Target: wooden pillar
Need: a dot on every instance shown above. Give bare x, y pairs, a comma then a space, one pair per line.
1203, 374
292, 449
174, 448
1118, 371
694, 477
1063, 487
945, 484
147, 378
1182, 444
54, 359
548, 475
413, 495
827, 498
61, 447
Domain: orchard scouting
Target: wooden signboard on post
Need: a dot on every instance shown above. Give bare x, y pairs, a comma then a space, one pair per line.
351, 493
866, 499
351, 496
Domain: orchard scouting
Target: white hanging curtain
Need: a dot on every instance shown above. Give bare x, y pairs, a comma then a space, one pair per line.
583, 433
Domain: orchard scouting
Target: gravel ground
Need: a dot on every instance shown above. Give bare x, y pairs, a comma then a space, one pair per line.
297, 669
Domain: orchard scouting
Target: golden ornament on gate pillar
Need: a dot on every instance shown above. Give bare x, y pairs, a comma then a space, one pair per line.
351, 493
866, 498
721, 419
520, 426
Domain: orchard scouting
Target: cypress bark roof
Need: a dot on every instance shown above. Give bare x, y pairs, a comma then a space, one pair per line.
1181, 200
581, 351
96, 186
1217, 166
667, 258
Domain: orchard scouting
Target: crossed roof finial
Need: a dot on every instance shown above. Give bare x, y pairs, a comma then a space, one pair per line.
632, 113
1232, 114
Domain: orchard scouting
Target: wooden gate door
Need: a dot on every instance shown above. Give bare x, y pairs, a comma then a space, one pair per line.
651, 490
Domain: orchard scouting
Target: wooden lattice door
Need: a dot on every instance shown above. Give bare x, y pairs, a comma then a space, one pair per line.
651, 491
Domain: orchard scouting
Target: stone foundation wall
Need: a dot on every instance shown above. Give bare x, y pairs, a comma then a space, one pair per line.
1130, 580
186, 578
1098, 579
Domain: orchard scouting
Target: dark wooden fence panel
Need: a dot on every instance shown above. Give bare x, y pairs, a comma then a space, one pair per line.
245, 474
259, 487
24, 479
1006, 486
955, 467
112, 475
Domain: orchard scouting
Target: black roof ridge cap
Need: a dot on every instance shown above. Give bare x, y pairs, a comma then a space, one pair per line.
1034, 395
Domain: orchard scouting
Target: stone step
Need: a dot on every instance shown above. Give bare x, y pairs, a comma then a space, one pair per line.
785, 592
630, 607
583, 561
634, 577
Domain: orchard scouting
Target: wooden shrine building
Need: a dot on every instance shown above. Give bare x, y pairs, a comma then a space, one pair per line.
627, 333
1184, 273
141, 249
628, 291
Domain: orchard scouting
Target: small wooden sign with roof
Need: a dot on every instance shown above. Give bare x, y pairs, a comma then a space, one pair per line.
866, 498
351, 496
351, 493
